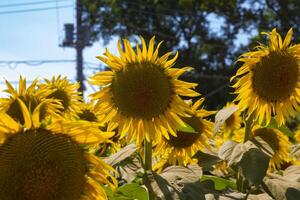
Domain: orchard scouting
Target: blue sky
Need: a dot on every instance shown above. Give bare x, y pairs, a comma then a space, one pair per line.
36, 36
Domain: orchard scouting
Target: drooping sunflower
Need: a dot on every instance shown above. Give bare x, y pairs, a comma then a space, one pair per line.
179, 150
141, 92
31, 97
268, 82
64, 91
277, 140
48, 161
234, 121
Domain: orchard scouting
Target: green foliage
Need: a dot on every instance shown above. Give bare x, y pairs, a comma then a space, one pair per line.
246, 158
186, 129
206, 160
282, 128
254, 165
177, 182
285, 187
219, 183
131, 191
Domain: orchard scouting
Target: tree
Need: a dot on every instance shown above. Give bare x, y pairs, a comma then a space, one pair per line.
205, 32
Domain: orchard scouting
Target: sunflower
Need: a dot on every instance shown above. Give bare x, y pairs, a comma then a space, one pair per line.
48, 161
277, 140
234, 121
181, 148
64, 91
141, 92
31, 97
268, 81
87, 112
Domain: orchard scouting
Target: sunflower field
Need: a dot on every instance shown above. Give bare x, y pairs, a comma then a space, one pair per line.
145, 133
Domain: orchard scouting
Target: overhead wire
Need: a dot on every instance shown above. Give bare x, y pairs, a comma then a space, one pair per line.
29, 3
34, 9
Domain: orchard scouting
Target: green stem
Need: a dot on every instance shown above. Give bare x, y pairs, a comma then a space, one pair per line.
148, 156
148, 167
248, 127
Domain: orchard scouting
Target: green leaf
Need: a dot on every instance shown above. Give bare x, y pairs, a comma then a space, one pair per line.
131, 191
186, 129
121, 155
265, 147
206, 160
227, 149
286, 131
178, 182
233, 152
282, 128
286, 187
254, 165
219, 183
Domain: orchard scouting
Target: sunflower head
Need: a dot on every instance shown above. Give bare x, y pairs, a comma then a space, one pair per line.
48, 161
180, 148
278, 142
141, 92
59, 88
88, 112
47, 173
185, 139
268, 81
30, 97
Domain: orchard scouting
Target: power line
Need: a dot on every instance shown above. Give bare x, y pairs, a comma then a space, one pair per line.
34, 10
29, 3
34, 62
14, 63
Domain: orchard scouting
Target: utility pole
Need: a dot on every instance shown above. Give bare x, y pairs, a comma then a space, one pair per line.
78, 39
79, 45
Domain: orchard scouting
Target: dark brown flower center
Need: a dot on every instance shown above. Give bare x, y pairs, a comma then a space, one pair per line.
141, 90
269, 136
31, 103
87, 115
63, 97
186, 139
275, 77
39, 165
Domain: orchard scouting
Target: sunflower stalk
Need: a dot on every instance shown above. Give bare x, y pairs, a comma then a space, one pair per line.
148, 156
148, 167
248, 126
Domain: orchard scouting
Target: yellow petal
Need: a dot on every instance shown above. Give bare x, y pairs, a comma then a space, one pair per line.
26, 114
